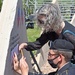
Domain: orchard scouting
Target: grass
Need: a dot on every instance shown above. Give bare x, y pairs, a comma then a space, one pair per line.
33, 34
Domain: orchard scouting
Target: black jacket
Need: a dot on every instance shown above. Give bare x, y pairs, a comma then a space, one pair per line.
46, 36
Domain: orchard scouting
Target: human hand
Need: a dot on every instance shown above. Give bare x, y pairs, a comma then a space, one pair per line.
24, 66
22, 46
16, 64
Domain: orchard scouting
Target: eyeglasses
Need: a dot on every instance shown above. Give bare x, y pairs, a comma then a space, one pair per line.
49, 54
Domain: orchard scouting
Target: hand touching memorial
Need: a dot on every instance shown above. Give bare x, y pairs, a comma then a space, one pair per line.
22, 46
20, 66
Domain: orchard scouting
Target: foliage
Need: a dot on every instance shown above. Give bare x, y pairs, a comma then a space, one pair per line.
29, 8
33, 33
0, 4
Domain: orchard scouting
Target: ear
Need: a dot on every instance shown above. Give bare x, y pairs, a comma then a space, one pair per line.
60, 57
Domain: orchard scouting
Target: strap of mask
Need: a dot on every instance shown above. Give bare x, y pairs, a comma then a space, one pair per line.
56, 57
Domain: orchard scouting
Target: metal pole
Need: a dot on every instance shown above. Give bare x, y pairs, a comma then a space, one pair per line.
35, 61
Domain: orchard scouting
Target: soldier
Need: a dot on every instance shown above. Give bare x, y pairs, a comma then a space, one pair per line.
50, 19
59, 57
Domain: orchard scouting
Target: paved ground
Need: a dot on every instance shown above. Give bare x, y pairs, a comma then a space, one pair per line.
46, 68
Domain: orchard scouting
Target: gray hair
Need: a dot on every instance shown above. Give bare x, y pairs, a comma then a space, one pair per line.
54, 18
67, 54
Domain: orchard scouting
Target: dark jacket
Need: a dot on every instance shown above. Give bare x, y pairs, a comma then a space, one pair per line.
46, 36
68, 69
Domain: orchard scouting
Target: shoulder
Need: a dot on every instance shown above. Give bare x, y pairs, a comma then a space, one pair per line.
49, 34
73, 66
72, 70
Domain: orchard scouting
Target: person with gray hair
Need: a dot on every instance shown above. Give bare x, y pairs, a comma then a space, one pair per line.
49, 18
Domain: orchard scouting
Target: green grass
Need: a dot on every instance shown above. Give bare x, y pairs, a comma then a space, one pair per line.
32, 34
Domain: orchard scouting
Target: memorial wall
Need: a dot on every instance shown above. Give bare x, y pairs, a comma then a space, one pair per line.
12, 33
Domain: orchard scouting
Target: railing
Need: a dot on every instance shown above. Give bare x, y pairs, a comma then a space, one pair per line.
67, 7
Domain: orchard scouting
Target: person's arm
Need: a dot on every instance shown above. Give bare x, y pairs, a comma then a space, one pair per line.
29, 46
43, 39
38, 43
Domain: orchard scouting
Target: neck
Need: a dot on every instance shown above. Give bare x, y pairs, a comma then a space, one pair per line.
60, 29
60, 65
63, 24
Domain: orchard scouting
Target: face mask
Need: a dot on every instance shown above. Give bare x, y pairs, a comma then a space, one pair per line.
51, 62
